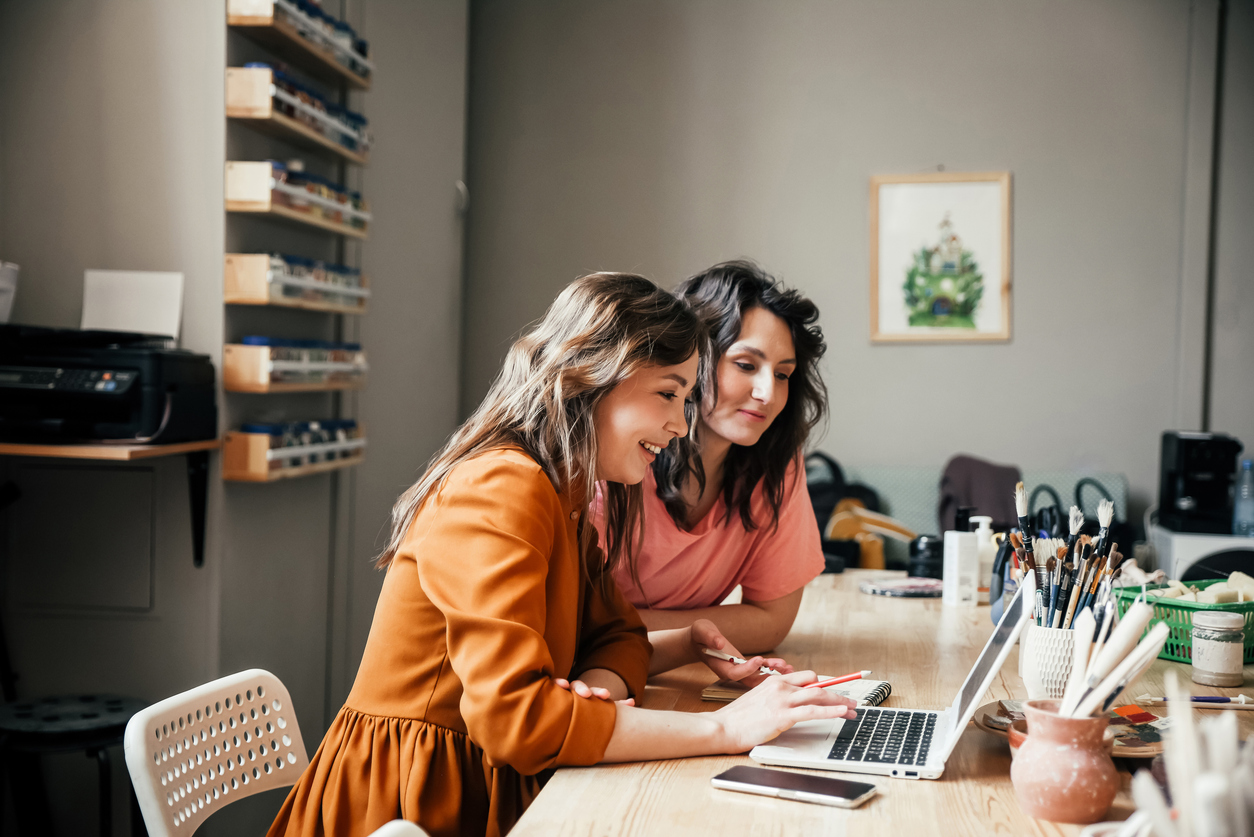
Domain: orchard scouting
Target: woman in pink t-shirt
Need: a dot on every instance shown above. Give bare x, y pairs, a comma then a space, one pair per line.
728, 505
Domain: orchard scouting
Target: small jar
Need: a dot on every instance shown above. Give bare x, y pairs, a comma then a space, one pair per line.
1218, 648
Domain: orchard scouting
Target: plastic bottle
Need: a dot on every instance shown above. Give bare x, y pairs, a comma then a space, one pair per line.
986, 552
1243, 502
962, 564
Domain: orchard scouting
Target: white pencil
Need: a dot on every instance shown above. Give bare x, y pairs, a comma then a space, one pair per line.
720, 655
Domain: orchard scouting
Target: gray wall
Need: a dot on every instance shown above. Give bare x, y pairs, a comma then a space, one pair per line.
112, 143
413, 331
1232, 381
663, 136
111, 153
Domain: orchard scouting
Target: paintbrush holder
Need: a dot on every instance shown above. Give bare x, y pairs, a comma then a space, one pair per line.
1045, 657
1063, 772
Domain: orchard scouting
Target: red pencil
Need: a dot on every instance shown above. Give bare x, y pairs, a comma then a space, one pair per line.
857, 675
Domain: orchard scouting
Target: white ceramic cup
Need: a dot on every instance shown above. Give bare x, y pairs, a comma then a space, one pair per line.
1045, 657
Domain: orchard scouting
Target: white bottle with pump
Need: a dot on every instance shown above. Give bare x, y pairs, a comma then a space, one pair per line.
987, 552
960, 584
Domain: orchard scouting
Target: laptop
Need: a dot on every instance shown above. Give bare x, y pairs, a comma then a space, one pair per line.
906, 743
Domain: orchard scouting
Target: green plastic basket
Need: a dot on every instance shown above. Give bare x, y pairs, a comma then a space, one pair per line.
1179, 617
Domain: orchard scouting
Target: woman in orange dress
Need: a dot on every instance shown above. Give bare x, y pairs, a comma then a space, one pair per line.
501, 648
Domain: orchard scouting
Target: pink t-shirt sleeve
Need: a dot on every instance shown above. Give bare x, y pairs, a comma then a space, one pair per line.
784, 558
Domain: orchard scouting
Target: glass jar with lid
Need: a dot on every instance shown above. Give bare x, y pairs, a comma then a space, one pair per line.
1218, 648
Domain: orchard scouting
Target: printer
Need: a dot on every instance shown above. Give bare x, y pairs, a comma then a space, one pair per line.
74, 385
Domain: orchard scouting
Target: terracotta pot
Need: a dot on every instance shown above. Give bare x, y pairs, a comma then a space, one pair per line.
1018, 733
1063, 772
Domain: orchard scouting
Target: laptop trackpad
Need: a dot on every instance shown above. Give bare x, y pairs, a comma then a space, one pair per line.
810, 737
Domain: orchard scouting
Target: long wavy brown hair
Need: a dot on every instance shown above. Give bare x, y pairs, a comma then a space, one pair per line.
721, 295
602, 328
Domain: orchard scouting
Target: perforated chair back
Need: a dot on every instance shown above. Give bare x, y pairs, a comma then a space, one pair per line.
400, 828
194, 753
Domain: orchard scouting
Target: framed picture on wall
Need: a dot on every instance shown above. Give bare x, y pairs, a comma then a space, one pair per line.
940, 257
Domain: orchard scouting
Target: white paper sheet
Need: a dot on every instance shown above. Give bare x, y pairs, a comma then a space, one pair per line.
148, 302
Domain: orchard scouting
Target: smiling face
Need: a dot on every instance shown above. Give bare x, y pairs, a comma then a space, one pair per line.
639, 417
752, 380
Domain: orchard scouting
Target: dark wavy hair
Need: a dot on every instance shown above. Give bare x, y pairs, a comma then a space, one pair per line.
721, 295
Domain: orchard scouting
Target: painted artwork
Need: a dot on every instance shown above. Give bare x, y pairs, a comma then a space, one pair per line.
940, 257
944, 286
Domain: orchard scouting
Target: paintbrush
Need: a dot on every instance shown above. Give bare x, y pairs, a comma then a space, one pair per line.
1078, 573
1064, 595
1099, 572
1105, 623
1051, 572
1016, 543
1075, 522
1113, 560
1041, 560
1029, 579
1105, 514
1079, 663
1105, 588
1084, 570
1122, 640
1036, 580
1181, 757
1151, 802
1124, 672
1021, 509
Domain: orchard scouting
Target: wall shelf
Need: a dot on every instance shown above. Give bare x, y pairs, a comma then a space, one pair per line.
257, 20
248, 282
248, 369
197, 454
247, 458
248, 190
116, 453
250, 102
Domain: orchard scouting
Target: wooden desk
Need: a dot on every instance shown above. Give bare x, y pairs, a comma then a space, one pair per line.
924, 649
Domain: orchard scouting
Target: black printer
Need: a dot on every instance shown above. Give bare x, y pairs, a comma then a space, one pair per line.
72, 385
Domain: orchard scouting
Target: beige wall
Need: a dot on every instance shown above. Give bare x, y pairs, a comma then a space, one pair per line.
1232, 381
663, 136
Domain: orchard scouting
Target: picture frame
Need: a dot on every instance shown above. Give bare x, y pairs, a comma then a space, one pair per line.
940, 257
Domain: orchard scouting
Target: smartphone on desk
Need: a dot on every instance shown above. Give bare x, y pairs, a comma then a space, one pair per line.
803, 787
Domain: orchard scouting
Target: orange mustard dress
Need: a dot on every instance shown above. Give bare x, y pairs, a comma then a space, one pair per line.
454, 711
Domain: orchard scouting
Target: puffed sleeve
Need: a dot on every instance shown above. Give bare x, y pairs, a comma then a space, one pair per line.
612, 635
787, 557
482, 560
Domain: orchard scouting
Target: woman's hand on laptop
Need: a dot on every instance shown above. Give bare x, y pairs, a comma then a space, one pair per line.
775, 705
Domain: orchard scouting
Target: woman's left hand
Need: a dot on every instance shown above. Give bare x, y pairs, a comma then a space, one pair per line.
705, 634
589, 692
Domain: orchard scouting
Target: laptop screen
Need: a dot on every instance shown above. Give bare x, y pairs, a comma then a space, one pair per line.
986, 666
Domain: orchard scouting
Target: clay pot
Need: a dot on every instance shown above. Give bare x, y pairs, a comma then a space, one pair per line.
1018, 733
1063, 772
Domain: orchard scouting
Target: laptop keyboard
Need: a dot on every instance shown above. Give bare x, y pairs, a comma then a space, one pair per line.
885, 735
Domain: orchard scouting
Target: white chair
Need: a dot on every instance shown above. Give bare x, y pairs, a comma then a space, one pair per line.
194, 753
400, 828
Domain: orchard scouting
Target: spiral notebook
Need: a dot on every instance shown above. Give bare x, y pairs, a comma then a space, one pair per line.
865, 692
